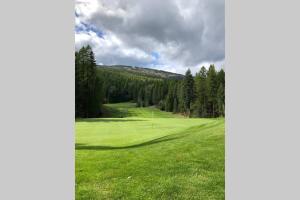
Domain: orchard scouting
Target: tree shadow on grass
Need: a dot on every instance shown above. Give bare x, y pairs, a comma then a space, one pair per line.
80, 146
111, 112
108, 120
166, 138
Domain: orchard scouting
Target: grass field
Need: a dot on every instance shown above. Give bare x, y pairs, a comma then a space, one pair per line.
149, 154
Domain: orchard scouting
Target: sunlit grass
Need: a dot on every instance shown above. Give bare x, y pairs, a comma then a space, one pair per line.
149, 154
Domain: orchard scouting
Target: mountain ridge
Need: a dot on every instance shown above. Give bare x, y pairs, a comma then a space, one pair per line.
149, 72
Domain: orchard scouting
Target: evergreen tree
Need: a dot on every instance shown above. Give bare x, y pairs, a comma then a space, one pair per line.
87, 83
141, 97
212, 88
188, 84
221, 100
202, 96
201, 93
175, 105
221, 92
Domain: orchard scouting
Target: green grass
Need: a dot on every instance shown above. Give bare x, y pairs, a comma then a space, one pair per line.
140, 157
120, 110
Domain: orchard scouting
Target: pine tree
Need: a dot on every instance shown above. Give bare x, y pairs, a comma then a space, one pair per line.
88, 89
201, 93
140, 101
221, 100
175, 105
188, 85
212, 88
221, 92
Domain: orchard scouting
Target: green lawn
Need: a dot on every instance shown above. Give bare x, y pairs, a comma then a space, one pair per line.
130, 110
149, 154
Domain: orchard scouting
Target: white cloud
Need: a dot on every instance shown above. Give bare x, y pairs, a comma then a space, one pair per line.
110, 49
86, 8
185, 33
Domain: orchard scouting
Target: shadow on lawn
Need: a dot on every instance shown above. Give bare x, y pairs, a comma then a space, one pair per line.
108, 120
154, 141
80, 146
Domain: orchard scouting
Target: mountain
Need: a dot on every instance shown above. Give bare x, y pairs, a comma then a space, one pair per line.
140, 71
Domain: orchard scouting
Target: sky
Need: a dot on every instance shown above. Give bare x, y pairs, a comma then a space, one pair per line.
170, 35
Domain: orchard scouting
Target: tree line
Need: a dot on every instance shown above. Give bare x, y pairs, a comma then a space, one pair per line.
200, 96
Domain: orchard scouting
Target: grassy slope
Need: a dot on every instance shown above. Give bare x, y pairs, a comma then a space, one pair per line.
137, 157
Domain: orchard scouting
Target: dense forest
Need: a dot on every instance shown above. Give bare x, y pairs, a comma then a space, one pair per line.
200, 96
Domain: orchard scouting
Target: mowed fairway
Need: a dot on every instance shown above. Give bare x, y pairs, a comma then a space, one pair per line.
149, 154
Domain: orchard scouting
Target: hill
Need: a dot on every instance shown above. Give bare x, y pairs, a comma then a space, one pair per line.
140, 71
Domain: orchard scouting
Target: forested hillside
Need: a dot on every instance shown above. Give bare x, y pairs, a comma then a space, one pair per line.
140, 71
202, 95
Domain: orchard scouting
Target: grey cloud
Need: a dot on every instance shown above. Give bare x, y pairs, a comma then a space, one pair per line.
184, 32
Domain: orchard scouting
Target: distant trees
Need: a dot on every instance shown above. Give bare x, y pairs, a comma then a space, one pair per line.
87, 84
210, 93
199, 96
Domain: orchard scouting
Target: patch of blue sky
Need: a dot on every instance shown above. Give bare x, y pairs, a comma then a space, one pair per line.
156, 57
84, 27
